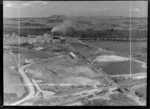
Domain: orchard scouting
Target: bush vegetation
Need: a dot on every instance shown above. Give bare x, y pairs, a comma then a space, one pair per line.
88, 33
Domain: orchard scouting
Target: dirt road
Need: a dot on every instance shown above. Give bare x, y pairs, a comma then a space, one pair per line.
29, 84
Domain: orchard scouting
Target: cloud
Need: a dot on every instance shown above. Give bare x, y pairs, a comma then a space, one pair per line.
79, 7
9, 5
90, 7
23, 4
38, 2
26, 4
135, 9
45, 3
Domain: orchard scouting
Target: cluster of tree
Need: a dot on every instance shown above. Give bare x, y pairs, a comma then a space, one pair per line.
25, 32
55, 21
31, 24
109, 33
113, 34
88, 33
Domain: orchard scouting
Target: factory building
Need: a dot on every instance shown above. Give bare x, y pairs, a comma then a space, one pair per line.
57, 36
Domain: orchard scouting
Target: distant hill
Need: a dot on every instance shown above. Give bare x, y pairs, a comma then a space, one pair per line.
57, 17
81, 23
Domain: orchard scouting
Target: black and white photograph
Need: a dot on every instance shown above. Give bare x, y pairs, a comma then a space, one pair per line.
75, 53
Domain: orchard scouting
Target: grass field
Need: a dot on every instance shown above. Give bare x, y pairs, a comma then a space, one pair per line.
141, 92
13, 85
61, 70
115, 100
81, 22
138, 49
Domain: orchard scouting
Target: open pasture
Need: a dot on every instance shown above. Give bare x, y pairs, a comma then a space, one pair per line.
13, 84
60, 69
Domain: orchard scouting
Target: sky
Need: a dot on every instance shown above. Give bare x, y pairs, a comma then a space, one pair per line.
74, 8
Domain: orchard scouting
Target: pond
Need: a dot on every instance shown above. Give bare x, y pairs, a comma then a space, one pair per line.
121, 67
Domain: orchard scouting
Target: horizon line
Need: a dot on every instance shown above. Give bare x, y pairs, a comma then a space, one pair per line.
76, 16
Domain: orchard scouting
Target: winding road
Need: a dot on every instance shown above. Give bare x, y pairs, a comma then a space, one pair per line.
29, 84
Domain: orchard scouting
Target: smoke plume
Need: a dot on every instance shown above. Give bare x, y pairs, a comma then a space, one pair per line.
63, 27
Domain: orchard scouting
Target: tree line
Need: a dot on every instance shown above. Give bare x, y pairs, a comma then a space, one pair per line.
88, 33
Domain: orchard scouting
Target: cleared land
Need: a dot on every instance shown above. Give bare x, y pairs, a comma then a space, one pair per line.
76, 72
14, 87
115, 100
62, 77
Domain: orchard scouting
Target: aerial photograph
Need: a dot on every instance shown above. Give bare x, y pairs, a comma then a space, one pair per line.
75, 53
